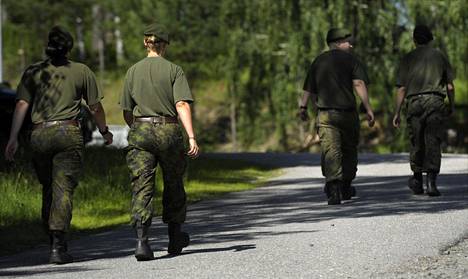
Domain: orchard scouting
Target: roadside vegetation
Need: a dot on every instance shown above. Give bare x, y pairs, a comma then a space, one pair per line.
102, 199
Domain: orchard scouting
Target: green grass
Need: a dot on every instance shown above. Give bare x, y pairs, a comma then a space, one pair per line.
102, 199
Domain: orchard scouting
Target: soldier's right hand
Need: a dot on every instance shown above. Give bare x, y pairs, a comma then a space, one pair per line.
194, 150
108, 138
396, 120
303, 115
10, 149
370, 118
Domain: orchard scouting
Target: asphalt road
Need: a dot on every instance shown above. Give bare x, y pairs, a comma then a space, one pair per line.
286, 230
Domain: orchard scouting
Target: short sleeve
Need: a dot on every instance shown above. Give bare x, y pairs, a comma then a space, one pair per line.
401, 73
359, 72
181, 90
91, 92
26, 88
126, 101
309, 83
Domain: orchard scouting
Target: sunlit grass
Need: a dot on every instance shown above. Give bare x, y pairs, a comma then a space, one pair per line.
103, 197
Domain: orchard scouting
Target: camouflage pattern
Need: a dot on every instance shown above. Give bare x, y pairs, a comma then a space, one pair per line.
425, 117
339, 138
58, 161
150, 144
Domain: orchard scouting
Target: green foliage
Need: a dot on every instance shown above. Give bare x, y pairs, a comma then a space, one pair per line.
260, 50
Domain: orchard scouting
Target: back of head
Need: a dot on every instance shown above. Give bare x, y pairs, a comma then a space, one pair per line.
337, 34
60, 42
156, 37
422, 35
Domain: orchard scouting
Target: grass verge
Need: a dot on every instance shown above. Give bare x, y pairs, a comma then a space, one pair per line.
102, 199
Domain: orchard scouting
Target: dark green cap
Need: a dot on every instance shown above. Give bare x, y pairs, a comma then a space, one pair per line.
336, 34
157, 30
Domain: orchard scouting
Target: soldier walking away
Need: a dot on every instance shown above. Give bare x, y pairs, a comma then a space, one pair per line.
155, 95
330, 82
54, 88
424, 78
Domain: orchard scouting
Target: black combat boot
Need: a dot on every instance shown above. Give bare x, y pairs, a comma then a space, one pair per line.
58, 254
143, 251
415, 183
333, 192
347, 191
431, 185
177, 239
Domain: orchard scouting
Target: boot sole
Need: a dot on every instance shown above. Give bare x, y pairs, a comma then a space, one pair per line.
59, 262
431, 194
142, 258
183, 242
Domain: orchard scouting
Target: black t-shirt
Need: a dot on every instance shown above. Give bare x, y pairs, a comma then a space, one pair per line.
331, 77
424, 69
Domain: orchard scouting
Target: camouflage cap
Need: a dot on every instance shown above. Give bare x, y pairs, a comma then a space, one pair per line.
336, 34
157, 30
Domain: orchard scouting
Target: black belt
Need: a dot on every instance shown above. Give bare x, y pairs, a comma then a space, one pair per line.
338, 109
158, 119
46, 124
438, 94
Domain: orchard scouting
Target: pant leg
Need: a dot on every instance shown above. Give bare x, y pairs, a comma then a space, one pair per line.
416, 126
67, 166
142, 166
349, 145
433, 135
43, 168
330, 145
173, 165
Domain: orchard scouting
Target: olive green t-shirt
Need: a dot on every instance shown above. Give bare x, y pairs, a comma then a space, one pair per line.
424, 69
152, 88
55, 90
331, 77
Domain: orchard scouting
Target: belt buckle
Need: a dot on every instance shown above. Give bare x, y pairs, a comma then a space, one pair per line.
155, 120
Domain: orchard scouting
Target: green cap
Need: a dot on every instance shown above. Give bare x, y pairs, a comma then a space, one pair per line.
336, 34
157, 30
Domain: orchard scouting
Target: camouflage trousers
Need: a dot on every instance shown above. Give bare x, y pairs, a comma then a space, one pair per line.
148, 145
58, 160
339, 138
425, 117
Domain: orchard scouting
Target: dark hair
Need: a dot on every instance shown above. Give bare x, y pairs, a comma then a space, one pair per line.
422, 34
155, 44
60, 42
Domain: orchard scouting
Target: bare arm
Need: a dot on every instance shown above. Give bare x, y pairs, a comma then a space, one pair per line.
18, 118
401, 93
451, 96
303, 105
100, 117
361, 90
185, 115
128, 117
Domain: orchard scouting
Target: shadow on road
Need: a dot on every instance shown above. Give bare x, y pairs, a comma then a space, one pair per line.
252, 215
